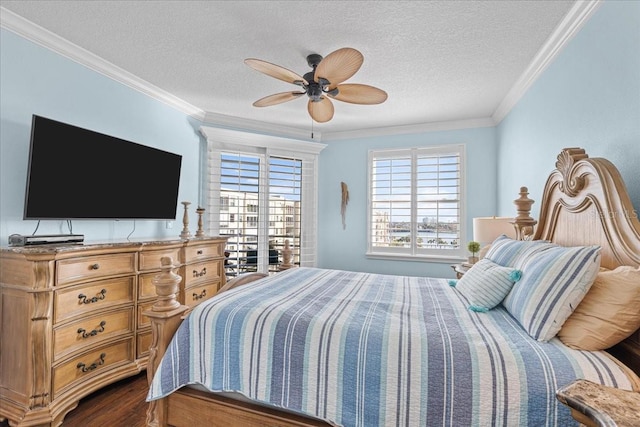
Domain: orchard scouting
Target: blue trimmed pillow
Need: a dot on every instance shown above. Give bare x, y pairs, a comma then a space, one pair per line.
553, 283
514, 253
486, 284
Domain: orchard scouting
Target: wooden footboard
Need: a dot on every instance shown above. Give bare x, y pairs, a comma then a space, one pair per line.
189, 408
184, 407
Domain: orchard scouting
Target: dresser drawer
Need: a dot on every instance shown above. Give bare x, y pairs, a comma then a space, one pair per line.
91, 363
196, 253
200, 272
94, 267
91, 330
144, 321
146, 288
144, 339
86, 298
150, 260
196, 294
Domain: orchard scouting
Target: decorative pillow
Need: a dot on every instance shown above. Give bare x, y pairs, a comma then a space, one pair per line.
553, 283
608, 314
486, 284
514, 253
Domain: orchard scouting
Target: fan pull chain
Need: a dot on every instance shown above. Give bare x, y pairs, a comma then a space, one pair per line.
312, 121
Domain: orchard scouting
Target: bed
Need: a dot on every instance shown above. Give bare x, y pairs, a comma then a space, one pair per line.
311, 346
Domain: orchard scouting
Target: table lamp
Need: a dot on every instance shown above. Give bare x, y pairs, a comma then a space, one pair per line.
487, 229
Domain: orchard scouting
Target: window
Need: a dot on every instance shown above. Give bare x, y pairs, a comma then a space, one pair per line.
264, 196
240, 178
224, 203
415, 202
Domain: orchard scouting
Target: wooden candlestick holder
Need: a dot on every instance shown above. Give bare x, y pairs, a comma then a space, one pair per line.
185, 234
200, 232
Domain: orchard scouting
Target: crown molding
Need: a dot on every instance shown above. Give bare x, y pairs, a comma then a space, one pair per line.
237, 137
43, 37
240, 123
410, 129
220, 120
579, 14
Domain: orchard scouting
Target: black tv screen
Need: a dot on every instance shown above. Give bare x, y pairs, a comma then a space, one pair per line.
76, 173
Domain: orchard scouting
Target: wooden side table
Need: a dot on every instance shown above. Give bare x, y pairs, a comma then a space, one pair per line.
460, 269
597, 405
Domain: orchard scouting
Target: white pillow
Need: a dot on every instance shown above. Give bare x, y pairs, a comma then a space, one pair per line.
553, 283
514, 253
486, 284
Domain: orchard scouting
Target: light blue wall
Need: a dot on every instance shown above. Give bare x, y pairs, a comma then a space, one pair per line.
35, 80
588, 97
347, 161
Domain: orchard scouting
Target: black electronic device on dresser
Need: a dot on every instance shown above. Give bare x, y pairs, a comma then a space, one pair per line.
44, 239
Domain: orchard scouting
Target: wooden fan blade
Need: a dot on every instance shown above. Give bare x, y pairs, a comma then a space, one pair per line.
277, 98
321, 111
276, 71
360, 94
338, 66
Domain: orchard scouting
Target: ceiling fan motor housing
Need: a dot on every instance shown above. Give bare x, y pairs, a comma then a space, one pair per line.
314, 89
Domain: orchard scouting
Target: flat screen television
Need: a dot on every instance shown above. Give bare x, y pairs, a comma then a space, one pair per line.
76, 173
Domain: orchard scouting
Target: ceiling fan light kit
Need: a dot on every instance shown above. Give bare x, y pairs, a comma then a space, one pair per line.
321, 83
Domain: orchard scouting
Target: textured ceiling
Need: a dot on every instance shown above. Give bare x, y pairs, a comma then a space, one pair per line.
437, 60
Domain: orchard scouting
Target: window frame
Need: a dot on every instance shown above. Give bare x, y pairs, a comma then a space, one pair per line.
414, 253
220, 140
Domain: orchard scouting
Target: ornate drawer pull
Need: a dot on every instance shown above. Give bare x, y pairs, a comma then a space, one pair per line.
84, 300
201, 273
93, 333
94, 365
94, 266
203, 294
200, 252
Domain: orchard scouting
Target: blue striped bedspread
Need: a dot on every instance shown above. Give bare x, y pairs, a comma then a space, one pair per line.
359, 349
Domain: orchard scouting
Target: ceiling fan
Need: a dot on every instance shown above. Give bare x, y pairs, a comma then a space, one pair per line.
321, 83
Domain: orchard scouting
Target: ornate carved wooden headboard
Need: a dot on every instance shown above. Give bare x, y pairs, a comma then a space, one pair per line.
585, 202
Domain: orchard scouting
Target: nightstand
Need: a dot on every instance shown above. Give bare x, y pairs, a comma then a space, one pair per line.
460, 269
596, 405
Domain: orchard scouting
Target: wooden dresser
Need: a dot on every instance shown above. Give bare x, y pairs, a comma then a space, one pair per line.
71, 317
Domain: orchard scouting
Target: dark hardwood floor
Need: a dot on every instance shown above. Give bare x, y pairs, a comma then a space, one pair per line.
120, 404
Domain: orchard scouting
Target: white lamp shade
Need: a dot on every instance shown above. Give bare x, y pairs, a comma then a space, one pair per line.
487, 229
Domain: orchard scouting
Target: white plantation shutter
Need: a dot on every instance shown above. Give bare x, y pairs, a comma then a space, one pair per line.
308, 248
304, 180
241, 197
415, 202
259, 196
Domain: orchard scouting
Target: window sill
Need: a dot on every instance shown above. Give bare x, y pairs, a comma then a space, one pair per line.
453, 259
